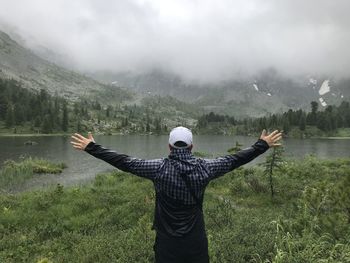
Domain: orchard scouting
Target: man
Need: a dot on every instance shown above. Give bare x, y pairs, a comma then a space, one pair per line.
179, 181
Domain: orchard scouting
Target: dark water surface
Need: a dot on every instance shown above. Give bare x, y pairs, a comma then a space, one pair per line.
82, 167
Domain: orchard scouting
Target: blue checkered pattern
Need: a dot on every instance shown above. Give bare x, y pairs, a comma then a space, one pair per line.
165, 172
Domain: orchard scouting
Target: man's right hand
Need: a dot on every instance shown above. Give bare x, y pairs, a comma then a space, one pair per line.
271, 138
80, 142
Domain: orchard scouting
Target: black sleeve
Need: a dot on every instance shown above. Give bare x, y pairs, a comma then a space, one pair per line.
225, 164
139, 167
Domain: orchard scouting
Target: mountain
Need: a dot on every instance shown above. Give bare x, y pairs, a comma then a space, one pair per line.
266, 92
37, 73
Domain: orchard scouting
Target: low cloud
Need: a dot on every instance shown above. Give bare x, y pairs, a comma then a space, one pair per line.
205, 40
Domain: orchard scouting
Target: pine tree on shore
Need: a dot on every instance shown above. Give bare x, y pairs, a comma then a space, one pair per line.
10, 116
65, 118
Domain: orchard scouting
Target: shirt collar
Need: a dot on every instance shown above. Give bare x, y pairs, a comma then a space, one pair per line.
182, 154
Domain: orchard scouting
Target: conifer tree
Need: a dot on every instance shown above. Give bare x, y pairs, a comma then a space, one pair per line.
157, 125
10, 117
286, 125
79, 126
313, 114
47, 124
65, 118
302, 122
272, 162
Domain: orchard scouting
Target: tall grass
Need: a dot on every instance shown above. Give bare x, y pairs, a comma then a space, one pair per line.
15, 173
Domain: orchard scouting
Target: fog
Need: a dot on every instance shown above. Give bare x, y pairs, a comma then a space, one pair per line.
202, 39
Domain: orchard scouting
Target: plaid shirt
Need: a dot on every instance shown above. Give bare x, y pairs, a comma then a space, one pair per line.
165, 172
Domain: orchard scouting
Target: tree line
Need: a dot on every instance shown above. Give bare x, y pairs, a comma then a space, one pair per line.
327, 120
42, 112
206, 119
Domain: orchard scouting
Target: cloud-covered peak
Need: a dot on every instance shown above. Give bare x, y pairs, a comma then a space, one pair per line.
205, 40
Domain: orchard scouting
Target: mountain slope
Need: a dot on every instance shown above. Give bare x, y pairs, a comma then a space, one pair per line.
266, 92
34, 72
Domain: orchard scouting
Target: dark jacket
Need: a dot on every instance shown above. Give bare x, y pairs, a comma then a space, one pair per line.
177, 210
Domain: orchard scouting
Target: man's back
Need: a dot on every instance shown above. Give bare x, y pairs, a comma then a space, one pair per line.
179, 186
180, 181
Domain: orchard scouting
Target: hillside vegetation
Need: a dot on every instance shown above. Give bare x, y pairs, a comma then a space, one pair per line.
110, 220
35, 73
333, 121
27, 112
266, 92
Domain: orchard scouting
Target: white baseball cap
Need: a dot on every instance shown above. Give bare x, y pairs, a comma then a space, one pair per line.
180, 134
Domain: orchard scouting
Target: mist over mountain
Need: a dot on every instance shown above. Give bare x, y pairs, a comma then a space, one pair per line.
34, 72
268, 91
234, 57
199, 40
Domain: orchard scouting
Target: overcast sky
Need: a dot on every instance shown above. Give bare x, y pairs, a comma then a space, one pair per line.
198, 39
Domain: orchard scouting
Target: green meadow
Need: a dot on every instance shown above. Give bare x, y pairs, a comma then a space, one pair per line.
109, 220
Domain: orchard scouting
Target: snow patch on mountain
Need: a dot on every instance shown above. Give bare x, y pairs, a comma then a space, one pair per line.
325, 88
313, 81
323, 103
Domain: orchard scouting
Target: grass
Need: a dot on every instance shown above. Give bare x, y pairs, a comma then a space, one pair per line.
110, 219
15, 173
343, 133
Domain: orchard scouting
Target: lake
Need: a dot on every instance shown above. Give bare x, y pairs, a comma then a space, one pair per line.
82, 167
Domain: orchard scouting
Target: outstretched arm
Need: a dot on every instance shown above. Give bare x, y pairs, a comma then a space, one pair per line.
222, 165
139, 167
